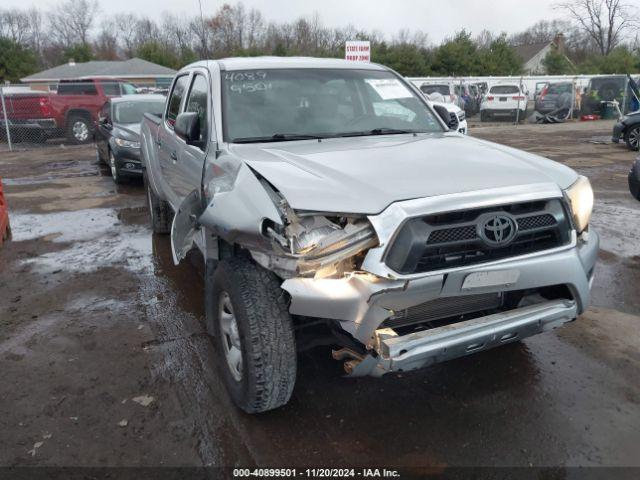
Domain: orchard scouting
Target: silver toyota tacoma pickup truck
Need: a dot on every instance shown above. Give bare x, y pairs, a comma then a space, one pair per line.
333, 207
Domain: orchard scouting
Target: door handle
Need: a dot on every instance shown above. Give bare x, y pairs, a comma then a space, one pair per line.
173, 156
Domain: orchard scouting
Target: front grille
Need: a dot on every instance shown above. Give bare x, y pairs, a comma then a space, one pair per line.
453, 121
452, 239
445, 307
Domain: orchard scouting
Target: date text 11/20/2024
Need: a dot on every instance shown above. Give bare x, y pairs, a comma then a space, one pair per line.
316, 472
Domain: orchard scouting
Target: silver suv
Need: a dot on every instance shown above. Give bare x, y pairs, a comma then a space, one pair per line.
334, 207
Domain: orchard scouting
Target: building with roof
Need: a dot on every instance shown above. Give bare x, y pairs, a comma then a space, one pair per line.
135, 70
532, 54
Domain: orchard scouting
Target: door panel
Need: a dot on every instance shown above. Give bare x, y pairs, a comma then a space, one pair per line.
188, 174
169, 145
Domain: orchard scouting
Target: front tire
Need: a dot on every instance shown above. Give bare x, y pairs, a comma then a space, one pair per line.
632, 137
115, 171
253, 334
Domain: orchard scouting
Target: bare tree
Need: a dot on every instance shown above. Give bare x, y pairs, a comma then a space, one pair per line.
106, 44
14, 24
71, 21
604, 21
126, 25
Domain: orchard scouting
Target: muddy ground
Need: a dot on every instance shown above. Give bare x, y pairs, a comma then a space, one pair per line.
104, 360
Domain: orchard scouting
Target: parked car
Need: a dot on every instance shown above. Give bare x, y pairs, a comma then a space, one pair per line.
504, 100
70, 112
325, 217
117, 134
634, 179
469, 102
457, 119
553, 96
628, 129
445, 89
607, 89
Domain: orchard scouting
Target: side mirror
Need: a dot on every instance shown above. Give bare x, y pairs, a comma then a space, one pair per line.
187, 127
443, 113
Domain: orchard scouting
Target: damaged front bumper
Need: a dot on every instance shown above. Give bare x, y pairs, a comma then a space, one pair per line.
420, 349
362, 301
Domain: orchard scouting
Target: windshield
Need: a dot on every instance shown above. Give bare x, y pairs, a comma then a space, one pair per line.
441, 89
292, 104
132, 112
504, 89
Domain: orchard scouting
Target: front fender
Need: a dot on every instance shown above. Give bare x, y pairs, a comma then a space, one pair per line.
237, 209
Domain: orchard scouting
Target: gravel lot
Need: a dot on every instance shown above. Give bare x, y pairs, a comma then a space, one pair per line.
105, 362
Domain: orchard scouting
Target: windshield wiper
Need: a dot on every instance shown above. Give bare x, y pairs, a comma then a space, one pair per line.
279, 137
379, 131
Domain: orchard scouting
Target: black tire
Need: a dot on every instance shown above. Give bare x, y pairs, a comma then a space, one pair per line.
114, 169
634, 180
265, 330
484, 116
78, 129
160, 213
632, 137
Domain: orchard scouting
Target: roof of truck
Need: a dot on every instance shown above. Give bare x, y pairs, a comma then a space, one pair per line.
246, 63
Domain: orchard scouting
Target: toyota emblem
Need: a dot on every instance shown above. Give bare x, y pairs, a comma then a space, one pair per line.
497, 229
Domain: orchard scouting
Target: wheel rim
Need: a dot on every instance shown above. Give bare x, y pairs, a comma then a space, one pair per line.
80, 131
634, 138
112, 165
230, 336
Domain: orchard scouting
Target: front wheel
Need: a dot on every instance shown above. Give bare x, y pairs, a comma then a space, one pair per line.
253, 333
632, 137
115, 171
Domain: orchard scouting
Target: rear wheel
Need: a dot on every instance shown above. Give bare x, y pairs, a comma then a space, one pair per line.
159, 210
253, 334
484, 116
78, 129
632, 137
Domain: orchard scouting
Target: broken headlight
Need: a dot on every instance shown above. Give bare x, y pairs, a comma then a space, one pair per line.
580, 196
324, 244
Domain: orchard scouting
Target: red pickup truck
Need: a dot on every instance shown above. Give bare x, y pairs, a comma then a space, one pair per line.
70, 113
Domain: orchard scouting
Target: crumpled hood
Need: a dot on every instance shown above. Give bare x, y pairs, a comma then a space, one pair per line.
367, 174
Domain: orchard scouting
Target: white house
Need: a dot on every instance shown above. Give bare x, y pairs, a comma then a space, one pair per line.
533, 54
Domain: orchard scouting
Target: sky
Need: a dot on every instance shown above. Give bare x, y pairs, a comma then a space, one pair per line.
439, 18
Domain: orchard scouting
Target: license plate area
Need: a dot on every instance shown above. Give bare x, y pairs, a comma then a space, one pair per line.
494, 278
503, 99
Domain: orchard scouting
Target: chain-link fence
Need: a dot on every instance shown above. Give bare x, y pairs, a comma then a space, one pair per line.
63, 113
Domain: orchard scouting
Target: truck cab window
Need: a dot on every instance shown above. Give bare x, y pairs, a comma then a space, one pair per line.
111, 89
175, 100
197, 102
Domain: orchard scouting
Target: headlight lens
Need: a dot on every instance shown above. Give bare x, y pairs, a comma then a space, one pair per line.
316, 242
580, 196
127, 143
